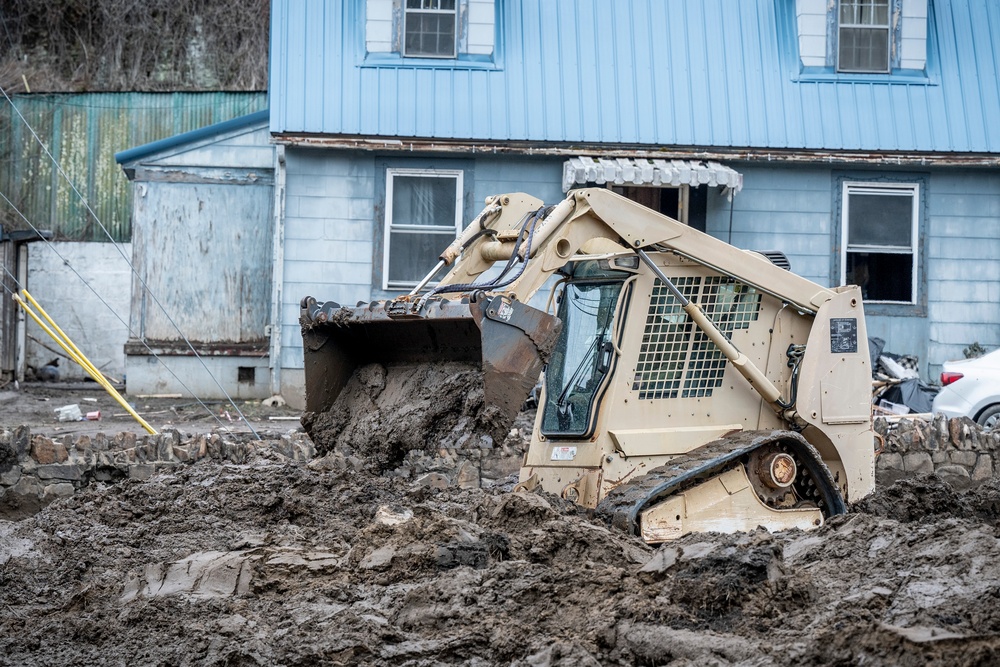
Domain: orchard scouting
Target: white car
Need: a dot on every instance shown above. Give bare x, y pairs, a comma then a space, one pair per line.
971, 388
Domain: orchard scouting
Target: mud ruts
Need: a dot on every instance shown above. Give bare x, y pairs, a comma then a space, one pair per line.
35, 470
956, 448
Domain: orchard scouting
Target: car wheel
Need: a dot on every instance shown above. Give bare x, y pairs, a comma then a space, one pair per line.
989, 417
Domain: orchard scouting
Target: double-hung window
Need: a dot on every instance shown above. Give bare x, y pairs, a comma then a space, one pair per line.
430, 28
880, 240
863, 36
423, 214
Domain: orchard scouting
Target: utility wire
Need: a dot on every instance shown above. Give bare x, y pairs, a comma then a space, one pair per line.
129, 262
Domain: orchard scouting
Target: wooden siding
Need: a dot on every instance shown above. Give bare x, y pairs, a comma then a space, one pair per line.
913, 35
330, 229
963, 263
204, 252
329, 235
811, 22
379, 22
83, 132
780, 209
795, 211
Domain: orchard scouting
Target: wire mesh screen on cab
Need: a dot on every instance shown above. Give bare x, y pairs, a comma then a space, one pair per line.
678, 359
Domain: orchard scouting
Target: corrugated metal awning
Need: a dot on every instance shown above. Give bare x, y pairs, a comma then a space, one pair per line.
641, 171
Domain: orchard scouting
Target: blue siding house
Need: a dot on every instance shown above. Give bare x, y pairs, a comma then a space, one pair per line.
859, 137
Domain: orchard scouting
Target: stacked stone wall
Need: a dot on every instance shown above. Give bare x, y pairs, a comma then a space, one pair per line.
958, 449
35, 470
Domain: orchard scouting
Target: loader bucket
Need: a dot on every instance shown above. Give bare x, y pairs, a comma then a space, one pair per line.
507, 340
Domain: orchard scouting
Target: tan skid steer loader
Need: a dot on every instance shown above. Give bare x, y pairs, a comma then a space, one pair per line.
688, 385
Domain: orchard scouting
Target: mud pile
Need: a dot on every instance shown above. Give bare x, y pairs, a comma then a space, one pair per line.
268, 563
386, 411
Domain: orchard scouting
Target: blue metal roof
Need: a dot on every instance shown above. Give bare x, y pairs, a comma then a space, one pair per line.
145, 150
713, 73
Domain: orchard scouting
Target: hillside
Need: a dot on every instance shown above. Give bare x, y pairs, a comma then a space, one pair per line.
123, 45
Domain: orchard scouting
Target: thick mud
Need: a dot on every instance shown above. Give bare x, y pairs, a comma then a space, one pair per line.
368, 555
386, 411
272, 563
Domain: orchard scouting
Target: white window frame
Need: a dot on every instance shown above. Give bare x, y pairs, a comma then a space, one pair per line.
407, 11
911, 190
887, 26
446, 232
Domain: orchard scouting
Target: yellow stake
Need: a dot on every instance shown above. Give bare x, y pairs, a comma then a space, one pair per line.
82, 359
74, 353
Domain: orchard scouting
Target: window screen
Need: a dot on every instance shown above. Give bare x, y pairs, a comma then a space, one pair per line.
429, 28
423, 215
863, 36
880, 232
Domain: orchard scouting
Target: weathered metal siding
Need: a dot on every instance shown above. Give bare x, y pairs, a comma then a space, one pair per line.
83, 132
717, 73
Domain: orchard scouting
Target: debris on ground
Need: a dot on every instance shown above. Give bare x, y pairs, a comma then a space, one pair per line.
265, 564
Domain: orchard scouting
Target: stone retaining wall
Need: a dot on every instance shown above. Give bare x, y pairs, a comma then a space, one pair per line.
958, 448
35, 470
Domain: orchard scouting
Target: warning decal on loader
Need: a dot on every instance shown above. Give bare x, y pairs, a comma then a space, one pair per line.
563, 453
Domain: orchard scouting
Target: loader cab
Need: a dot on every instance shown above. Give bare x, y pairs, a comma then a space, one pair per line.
593, 299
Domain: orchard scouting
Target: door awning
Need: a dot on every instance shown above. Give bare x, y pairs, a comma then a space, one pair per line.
641, 171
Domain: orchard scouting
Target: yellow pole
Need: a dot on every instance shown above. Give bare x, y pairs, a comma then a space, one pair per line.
87, 365
79, 358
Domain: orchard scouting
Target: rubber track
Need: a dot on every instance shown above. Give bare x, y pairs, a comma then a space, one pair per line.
622, 506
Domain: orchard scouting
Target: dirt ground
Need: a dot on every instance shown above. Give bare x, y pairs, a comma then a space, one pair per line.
277, 563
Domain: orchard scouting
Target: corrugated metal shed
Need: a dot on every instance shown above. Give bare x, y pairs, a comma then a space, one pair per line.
82, 132
716, 73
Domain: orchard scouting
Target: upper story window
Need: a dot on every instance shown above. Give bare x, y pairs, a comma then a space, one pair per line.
863, 36
430, 28
424, 32
844, 38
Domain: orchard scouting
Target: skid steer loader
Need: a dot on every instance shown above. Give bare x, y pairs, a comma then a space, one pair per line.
688, 385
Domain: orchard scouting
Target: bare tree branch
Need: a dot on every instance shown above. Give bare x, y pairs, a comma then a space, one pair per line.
133, 45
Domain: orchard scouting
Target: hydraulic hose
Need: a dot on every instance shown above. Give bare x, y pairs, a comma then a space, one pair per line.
497, 283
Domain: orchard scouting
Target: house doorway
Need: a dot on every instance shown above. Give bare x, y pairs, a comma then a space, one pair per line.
684, 203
